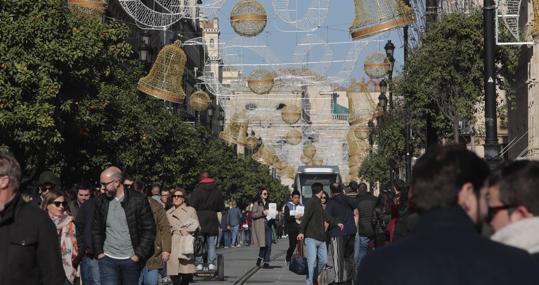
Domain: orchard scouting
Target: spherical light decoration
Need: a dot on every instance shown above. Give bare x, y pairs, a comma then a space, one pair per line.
248, 18
260, 81
291, 114
376, 65
199, 101
293, 137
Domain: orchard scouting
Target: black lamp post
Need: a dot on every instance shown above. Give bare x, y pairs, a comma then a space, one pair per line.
210, 116
390, 49
144, 51
221, 119
382, 99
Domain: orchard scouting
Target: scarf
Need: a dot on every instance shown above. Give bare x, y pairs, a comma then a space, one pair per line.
523, 234
68, 244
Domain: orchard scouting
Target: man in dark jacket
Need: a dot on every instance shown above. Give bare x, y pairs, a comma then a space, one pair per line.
293, 219
207, 199
313, 231
29, 246
514, 205
123, 231
89, 268
448, 188
365, 233
344, 209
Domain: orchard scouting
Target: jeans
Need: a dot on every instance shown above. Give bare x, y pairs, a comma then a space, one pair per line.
315, 249
89, 271
118, 271
149, 277
265, 252
211, 243
361, 248
246, 236
234, 234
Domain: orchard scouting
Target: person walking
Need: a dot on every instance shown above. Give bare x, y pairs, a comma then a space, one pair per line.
47, 181
448, 187
83, 194
123, 232
207, 199
365, 233
343, 209
162, 245
84, 222
513, 205
184, 222
246, 225
261, 233
29, 247
225, 229
234, 221
55, 204
293, 219
312, 230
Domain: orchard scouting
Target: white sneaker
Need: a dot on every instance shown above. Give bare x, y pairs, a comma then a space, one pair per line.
199, 267
211, 267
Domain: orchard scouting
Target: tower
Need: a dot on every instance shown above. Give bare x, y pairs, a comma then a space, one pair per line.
210, 34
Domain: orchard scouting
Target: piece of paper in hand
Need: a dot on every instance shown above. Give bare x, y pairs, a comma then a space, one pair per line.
300, 210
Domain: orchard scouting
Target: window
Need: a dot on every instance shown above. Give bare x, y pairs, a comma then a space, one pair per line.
212, 42
250, 107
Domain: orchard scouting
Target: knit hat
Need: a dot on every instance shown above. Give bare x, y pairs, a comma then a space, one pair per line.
48, 177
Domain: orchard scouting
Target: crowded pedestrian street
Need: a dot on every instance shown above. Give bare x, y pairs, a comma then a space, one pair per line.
320, 142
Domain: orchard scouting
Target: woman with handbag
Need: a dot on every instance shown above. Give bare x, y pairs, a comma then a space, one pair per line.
183, 223
261, 234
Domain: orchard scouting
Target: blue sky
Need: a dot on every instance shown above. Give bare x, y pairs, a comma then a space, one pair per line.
284, 41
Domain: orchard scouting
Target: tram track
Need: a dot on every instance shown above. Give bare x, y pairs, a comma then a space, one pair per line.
253, 270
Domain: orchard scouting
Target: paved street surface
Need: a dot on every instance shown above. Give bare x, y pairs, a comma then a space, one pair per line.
240, 264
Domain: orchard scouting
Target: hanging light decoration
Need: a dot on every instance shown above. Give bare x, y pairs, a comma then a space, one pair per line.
248, 18
291, 114
374, 17
293, 137
199, 101
376, 65
166, 76
93, 8
260, 81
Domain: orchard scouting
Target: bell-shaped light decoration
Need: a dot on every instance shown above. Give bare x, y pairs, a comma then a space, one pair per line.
88, 7
376, 65
199, 101
291, 114
166, 76
376, 16
248, 18
260, 81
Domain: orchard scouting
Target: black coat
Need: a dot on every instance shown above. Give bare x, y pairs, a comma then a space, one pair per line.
365, 207
84, 224
446, 249
29, 246
139, 220
208, 199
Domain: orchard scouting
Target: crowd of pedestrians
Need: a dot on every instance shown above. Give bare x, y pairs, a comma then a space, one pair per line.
433, 232
458, 222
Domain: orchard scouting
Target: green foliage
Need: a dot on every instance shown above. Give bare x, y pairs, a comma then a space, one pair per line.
443, 78
68, 103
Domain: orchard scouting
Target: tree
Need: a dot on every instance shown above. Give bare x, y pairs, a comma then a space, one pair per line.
69, 104
446, 72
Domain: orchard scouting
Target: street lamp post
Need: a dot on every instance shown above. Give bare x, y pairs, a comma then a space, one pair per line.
382, 99
210, 117
144, 51
390, 49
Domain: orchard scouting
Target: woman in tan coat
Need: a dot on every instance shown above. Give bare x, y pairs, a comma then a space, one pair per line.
183, 223
261, 233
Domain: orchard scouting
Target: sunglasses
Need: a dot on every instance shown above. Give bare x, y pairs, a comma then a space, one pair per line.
46, 188
57, 204
177, 196
493, 211
265, 194
104, 184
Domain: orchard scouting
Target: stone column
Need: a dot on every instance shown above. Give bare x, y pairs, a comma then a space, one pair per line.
533, 90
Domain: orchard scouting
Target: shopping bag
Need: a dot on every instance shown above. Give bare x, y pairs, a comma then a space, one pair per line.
199, 245
298, 262
326, 276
